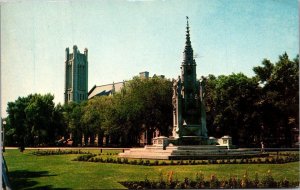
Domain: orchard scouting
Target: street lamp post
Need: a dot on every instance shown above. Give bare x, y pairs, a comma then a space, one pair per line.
3, 135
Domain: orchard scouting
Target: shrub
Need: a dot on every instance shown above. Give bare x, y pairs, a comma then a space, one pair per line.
259, 160
141, 162
268, 180
245, 182
199, 179
85, 157
256, 181
187, 183
214, 183
119, 161
232, 182
284, 183
199, 183
134, 162
125, 160
147, 163
163, 163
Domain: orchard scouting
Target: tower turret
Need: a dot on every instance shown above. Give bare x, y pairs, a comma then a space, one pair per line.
76, 75
86, 53
74, 50
67, 54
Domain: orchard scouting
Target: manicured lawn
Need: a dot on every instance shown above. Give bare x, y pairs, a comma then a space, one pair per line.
59, 171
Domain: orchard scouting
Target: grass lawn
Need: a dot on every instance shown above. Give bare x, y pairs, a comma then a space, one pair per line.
59, 171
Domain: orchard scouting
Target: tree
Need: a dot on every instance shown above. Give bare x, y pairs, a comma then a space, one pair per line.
97, 118
279, 104
33, 120
230, 106
17, 120
142, 105
72, 114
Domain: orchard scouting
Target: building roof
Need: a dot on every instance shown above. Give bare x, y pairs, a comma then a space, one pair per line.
106, 89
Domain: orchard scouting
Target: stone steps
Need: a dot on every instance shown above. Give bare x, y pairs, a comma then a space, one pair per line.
185, 152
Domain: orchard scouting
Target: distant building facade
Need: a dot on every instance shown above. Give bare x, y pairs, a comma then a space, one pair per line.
109, 89
76, 75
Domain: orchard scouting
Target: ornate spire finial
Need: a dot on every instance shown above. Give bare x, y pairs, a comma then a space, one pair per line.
187, 24
188, 51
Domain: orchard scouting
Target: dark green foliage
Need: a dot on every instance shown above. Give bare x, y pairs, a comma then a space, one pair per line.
34, 120
262, 108
85, 157
233, 182
58, 152
268, 181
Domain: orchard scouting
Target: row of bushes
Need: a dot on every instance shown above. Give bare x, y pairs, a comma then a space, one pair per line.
199, 183
86, 157
187, 162
57, 152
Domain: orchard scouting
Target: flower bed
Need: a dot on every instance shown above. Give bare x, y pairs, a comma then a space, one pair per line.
198, 182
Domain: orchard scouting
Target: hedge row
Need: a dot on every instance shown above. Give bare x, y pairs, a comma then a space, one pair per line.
57, 152
187, 162
199, 183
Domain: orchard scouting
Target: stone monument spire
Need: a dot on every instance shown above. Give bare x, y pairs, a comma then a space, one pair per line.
188, 50
188, 114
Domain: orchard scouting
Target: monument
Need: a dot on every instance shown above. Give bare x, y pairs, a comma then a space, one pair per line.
189, 121
76, 75
189, 138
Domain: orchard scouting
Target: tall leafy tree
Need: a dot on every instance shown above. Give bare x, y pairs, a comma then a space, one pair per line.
72, 114
97, 118
279, 99
34, 120
231, 107
145, 105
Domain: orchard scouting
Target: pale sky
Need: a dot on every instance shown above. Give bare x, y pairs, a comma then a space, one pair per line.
127, 37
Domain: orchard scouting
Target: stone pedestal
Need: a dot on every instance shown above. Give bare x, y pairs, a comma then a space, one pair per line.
189, 140
225, 141
160, 141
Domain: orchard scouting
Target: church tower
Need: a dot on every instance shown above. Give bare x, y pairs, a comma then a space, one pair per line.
189, 122
76, 75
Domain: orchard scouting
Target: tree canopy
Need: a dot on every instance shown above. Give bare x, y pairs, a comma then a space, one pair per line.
34, 120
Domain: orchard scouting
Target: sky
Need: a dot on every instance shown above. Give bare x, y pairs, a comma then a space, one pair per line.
127, 37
